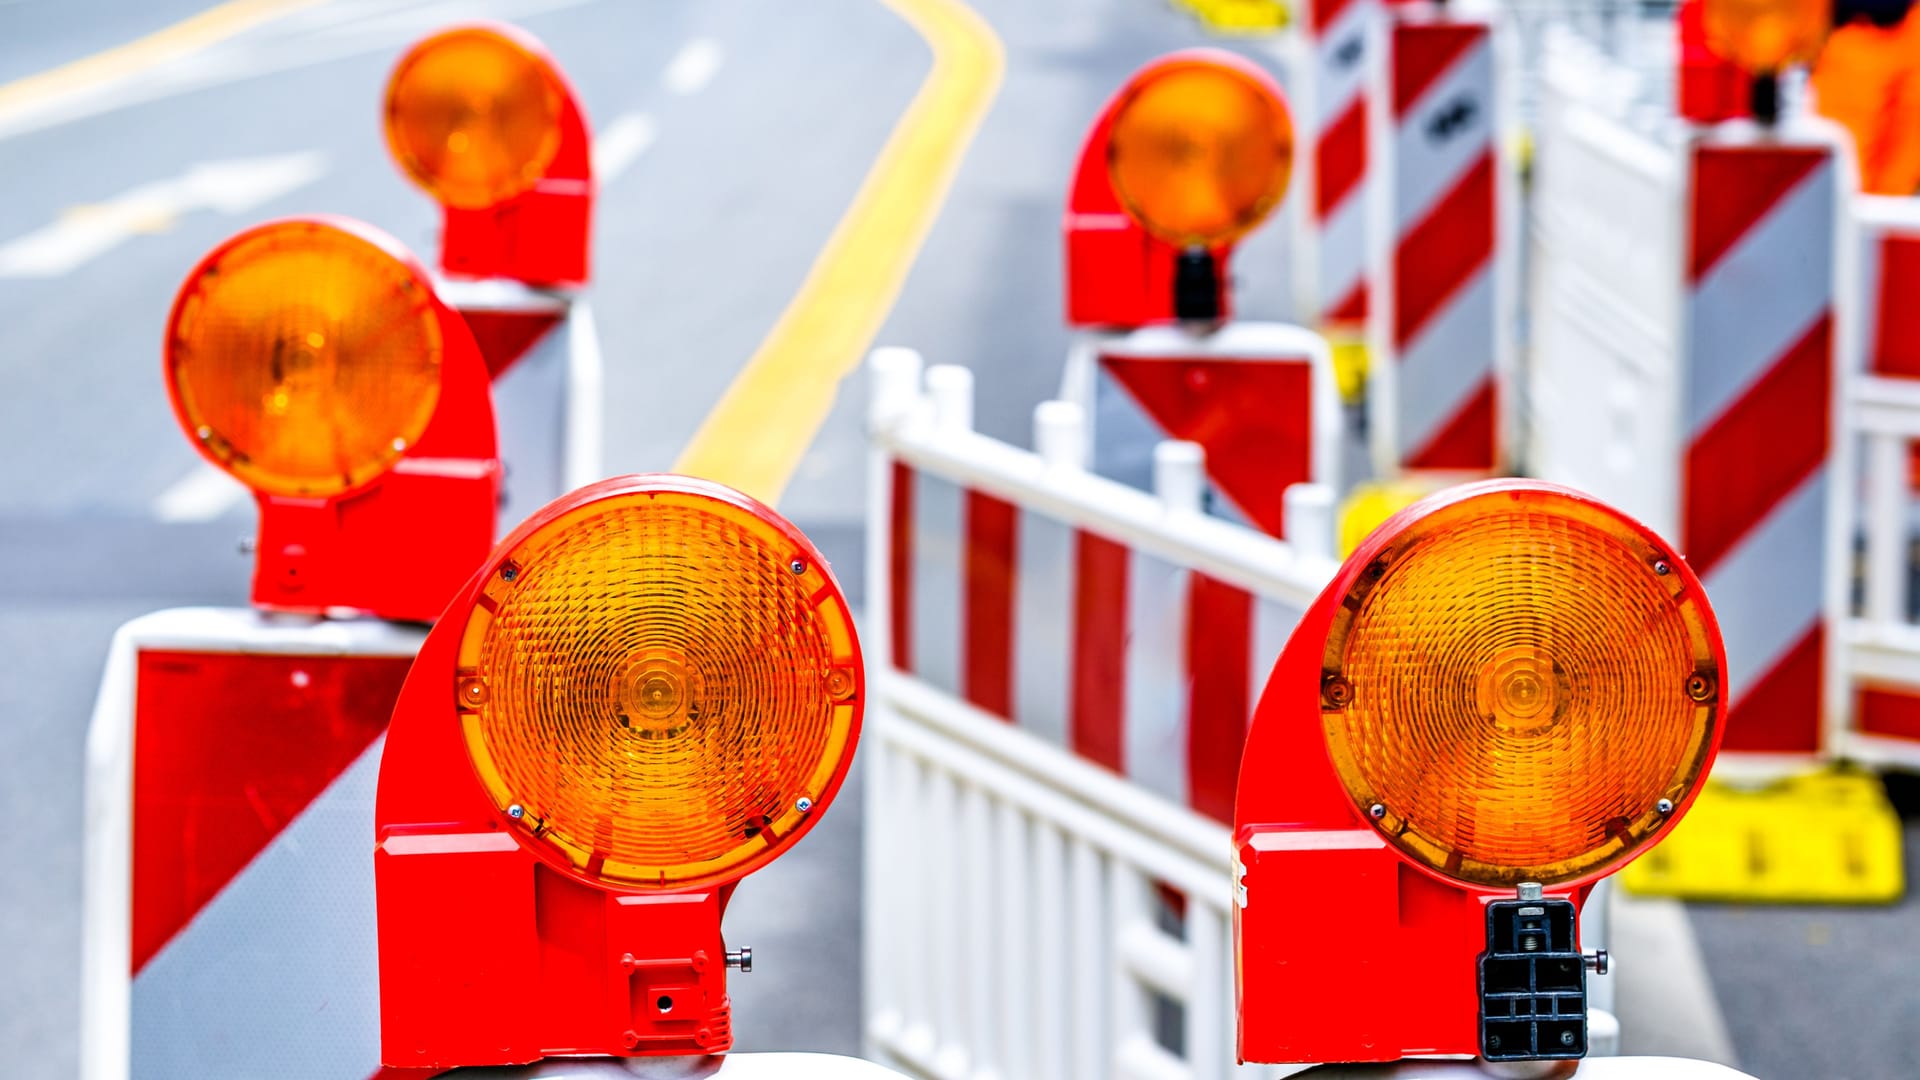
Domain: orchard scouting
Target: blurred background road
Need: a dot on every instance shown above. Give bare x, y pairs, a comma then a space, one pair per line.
744, 130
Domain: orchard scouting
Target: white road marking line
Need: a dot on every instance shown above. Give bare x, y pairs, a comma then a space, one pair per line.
205, 494
1662, 994
230, 187
308, 37
692, 68
620, 145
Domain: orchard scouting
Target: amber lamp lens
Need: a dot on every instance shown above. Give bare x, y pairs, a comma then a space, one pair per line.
473, 116
1763, 36
1199, 153
1521, 686
304, 359
659, 688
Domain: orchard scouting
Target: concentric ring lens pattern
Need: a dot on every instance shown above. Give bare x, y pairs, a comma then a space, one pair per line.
1200, 154
305, 359
1516, 686
654, 690
473, 117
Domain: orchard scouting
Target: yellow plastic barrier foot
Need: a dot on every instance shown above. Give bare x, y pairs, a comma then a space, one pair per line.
1248, 17
1825, 837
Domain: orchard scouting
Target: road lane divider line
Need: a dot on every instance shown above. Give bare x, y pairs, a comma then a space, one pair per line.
620, 144
205, 494
85, 233
693, 67
55, 86
754, 438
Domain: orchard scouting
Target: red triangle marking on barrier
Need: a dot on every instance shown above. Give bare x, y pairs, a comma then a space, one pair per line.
1733, 188
505, 336
1254, 419
1466, 441
1779, 712
1759, 450
227, 750
1422, 52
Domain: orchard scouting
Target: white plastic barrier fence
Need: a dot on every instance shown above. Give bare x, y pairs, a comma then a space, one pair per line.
1064, 668
1880, 645
1022, 891
1687, 320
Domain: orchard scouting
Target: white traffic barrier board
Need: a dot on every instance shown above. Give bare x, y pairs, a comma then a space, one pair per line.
543, 352
1687, 322
228, 907
1330, 67
1258, 397
1440, 291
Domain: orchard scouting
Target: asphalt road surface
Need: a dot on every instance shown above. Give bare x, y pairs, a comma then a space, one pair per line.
761, 120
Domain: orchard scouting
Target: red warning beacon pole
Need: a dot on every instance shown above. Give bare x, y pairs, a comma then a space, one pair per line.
1192, 154
311, 359
1187, 158
483, 119
1506, 693
651, 689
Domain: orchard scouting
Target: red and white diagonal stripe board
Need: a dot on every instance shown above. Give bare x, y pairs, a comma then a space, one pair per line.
1434, 335
1332, 177
1147, 668
1757, 428
252, 921
1258, 398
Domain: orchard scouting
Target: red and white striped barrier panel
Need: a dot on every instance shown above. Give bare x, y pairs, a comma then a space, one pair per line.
1880, 646
1762, 227
1330, 67
1687, 327
543, 354
1439, 291
1065, 669
1258, 398
228, 907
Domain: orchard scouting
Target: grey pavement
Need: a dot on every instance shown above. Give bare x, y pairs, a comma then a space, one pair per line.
698, 248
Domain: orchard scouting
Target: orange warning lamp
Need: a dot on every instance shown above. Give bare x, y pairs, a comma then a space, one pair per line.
311, 359
651, 689
1764, 38
481, 117
1508, 692
1192, 154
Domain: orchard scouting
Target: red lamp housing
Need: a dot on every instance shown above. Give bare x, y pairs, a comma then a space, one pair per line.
1508, 682
311, 359
1214, 127
484, 120
650, 689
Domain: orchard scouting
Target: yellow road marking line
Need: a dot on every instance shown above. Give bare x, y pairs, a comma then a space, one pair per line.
755, 436
183, 38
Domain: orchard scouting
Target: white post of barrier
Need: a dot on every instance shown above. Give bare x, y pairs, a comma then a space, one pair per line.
1060, 434
1313, 521
1180, 475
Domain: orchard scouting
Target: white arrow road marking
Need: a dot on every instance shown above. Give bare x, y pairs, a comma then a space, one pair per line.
692, 67
205, 494
620, 145
85, 233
